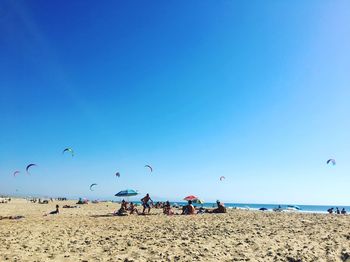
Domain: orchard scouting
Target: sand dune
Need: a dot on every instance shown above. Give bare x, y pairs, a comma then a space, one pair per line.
87, 234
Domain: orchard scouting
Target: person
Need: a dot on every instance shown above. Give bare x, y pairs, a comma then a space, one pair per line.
124, 205
202, 210
343, 211
69, 206
189, 209
330, 210
122, 210
57, 211
167, 209
11, 217
145, 203
338, 211
81, 201
220, 208
133, 209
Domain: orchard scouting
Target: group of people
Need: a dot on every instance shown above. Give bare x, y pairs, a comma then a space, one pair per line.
131, 207
336, 211
11, 217
39, 201
82, 201
189, 209
5, 201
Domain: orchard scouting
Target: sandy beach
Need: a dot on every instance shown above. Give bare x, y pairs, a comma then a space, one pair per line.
89, 234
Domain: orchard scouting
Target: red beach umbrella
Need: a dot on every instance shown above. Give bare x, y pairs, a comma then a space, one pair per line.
191, 197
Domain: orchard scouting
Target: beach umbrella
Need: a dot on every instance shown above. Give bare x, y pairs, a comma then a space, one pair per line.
126, 193
191, 197
198, 201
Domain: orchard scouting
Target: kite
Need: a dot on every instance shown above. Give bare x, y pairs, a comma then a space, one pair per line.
149, 167
117, 174
29, 166
331, 161
68, 150
222, 178
92, 186
15, 173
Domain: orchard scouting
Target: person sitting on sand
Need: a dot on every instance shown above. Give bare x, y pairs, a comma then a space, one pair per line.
189, 209
202, 210
343, 211
330, 210
69, 206
167, 209
55, 212
124, 205
121, 212
11, 217
145, 203
338, 211
81, 201
220, 208
133, 209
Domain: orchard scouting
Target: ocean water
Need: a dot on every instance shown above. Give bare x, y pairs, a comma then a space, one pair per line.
270, 207
250, 206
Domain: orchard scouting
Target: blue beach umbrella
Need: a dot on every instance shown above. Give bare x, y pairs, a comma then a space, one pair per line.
126, 193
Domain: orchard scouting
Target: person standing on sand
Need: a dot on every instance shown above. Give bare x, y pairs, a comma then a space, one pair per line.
145, 203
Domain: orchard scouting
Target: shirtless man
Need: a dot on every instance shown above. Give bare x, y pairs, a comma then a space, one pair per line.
145, 203
219, 209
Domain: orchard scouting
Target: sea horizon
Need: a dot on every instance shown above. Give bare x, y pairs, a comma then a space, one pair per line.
305, 208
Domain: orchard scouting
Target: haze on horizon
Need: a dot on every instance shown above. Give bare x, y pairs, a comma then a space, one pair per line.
254, 91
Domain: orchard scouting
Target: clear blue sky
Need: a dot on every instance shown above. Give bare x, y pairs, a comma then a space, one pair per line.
257, 91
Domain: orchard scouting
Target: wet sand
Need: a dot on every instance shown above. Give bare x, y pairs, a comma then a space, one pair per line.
89, 234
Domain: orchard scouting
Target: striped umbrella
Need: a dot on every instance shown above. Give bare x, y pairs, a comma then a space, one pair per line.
198, 201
